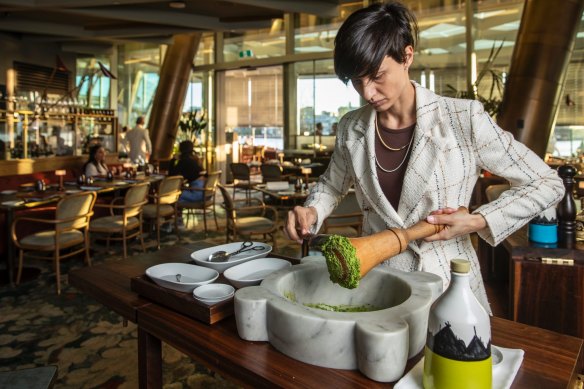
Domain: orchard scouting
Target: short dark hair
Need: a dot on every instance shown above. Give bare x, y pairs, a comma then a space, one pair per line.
140, 120
369, 35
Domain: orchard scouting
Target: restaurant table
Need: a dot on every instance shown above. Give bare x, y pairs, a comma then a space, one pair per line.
51, 197
551, 360
281, 196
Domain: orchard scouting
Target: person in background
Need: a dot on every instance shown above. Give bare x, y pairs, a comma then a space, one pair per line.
95, 166
138, 142
188, 166
318, 131
413, 155
123, 143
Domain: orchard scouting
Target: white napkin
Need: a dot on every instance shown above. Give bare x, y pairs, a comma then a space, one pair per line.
503, 373
277, 185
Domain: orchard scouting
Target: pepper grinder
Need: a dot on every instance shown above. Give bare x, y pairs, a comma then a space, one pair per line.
567, 209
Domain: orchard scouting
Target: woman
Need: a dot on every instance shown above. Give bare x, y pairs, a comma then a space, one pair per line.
189, 167
414, 155
95, 166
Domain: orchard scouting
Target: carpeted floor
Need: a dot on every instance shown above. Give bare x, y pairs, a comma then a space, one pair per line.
88, 342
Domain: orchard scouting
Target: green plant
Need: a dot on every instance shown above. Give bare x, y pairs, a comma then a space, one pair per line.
191, 124
491, 101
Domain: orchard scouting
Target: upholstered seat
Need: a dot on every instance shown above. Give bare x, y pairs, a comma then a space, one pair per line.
125, 219
248, 221
149, 211
47, 238
113, 224
69, 230
207, 203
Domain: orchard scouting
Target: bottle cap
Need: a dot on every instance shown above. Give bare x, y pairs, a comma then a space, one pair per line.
460, 265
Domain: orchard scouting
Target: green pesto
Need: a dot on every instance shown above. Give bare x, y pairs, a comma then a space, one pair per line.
341, 245
344, 308
290, 296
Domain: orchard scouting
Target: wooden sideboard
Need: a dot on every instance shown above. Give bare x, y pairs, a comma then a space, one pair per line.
549, 296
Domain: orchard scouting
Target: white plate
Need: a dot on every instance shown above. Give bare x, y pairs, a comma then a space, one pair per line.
13, 203
8, 192
254, 271
201, 256
213, 293
71, 191
191, 276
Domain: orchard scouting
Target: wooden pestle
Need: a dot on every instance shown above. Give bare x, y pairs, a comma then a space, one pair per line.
373, 249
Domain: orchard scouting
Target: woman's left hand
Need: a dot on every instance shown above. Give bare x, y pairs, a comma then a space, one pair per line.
458, 222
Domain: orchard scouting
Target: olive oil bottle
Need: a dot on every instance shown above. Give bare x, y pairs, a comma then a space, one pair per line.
458, 347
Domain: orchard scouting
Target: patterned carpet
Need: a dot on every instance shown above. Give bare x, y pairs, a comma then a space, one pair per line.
88, 342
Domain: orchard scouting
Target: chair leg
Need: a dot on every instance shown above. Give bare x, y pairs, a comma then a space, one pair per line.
176, 231
157, 226
124, 243
87, 256
215, 216
141, 237
205, 220
20, 260
58, 271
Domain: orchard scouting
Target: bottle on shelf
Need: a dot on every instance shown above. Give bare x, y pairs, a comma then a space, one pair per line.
458, 346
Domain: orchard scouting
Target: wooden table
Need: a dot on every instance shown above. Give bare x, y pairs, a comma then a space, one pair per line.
551, 360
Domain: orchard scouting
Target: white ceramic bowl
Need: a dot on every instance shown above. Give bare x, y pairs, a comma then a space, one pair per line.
201, 257
213, 293
254, 271
191, 276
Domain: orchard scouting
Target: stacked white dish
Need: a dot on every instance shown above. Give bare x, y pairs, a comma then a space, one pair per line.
214, 293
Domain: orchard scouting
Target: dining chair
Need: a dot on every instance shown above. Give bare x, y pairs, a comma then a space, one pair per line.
67, 231
271, 173
346, 219
125, 219
249, 220
241, 174
163, 208
492, 192
207, 203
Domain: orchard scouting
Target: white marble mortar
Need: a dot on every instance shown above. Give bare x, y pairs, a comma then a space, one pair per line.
378, 343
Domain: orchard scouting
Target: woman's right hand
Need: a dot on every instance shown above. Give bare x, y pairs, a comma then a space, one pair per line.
299, 223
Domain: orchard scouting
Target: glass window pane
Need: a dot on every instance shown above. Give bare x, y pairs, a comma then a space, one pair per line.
253, 104
316, 34
139, 69
262, 43
206, 51
321, 98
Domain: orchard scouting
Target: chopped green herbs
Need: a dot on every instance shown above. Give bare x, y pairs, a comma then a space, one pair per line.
344, 308
347, 271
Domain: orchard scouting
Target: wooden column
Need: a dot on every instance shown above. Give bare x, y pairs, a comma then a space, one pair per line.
170, 94
540, 59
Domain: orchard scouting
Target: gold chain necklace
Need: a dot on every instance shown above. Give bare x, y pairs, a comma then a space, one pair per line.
385, 144
401, 163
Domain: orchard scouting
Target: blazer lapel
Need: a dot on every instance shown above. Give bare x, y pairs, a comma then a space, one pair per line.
426, 149
362, 149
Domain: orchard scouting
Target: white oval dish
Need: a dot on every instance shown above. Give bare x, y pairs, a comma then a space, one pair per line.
254, 271
213, 293
201, 256
191, 276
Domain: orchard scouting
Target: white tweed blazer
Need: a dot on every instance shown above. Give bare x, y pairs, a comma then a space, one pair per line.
453, 140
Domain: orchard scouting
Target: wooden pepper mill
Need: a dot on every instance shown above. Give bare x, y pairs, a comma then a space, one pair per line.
566, 209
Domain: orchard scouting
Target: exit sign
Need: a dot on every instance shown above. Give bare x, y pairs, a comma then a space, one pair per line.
245, 54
